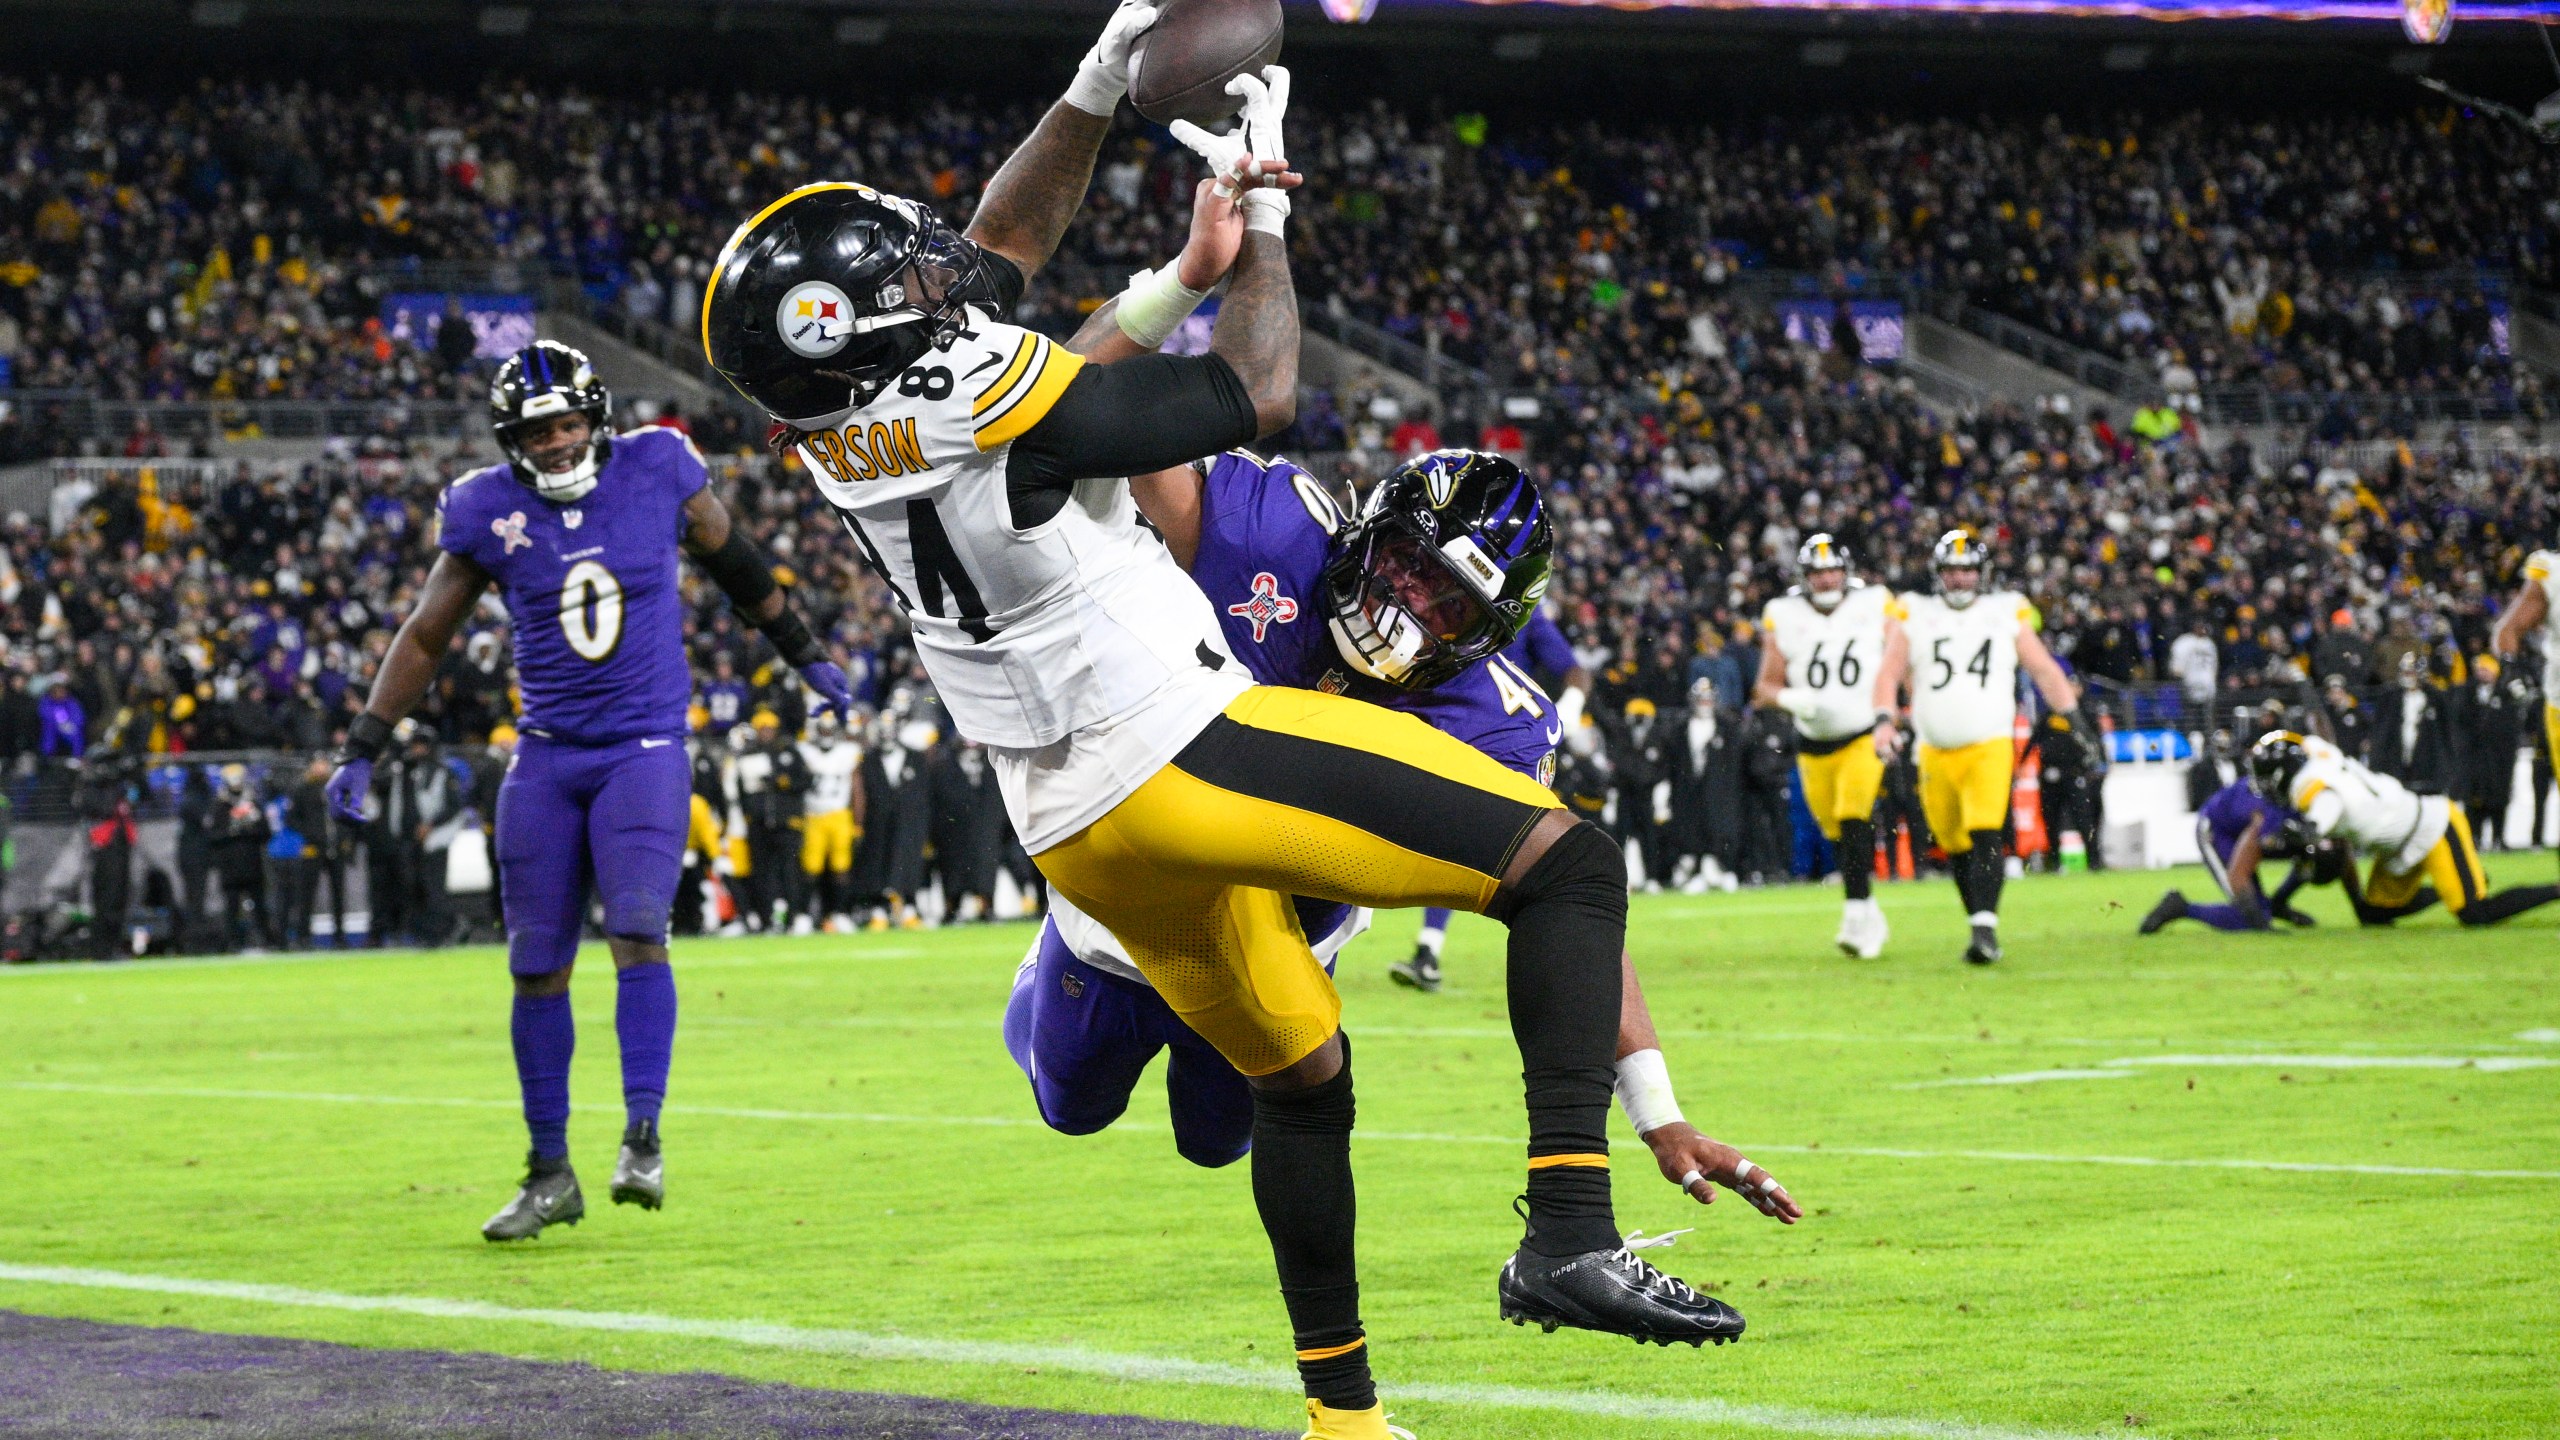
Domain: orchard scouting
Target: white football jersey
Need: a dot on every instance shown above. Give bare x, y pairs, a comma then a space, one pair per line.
1076, 651
1832, 655
1029, 635
831, 772
1964, 665
2543, 568
2375, 814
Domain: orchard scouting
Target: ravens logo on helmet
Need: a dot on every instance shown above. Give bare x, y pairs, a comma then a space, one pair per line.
1447, 560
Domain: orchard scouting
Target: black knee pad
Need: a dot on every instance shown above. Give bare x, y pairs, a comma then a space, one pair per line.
1584, 867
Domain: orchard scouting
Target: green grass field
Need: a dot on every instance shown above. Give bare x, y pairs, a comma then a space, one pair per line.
853, 1164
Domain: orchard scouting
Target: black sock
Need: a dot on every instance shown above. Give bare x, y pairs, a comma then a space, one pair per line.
1302, 1185
2508, 904
1960, 869
1858, 858
1568, 919
1991, 870
2294, 880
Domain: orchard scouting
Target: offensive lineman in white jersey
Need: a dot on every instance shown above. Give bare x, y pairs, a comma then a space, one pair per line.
1962, 649
2420, 845
2536, 607
1825, 640
979, 466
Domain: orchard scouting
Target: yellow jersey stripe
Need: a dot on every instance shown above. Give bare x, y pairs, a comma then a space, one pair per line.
722, 263
1022, 357
1059, 366
1327, 1352
1550, 1162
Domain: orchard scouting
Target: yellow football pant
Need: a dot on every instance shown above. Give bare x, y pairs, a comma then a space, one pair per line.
1841, 785
826, 842
1290, 792
1967, 789
2453, 867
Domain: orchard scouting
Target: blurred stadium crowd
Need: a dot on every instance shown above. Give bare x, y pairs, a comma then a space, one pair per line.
235, 242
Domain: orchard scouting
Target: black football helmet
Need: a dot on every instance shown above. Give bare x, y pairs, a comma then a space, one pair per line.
1960, 550
2274, 761
1447, 560
544, 379
820, 299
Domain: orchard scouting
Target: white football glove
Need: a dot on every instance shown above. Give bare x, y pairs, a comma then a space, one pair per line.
1257, 136
1801, 703
1104, 76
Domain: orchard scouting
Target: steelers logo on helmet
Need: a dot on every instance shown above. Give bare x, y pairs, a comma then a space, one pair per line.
815, 319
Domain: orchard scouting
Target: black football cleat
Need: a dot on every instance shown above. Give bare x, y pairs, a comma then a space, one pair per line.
1422, 972
1615, 1293
640, 1175
2293, 917
548, 1197
2172, 906
1985, 949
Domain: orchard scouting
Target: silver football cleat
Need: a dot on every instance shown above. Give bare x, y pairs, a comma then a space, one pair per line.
640, 1176
548, 1197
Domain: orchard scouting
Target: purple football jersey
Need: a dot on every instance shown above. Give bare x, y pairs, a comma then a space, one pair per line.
591, 587
2228, 813
1266, 529
1540, 648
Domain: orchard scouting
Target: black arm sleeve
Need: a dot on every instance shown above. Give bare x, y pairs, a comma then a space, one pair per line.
1150, 413
740, 573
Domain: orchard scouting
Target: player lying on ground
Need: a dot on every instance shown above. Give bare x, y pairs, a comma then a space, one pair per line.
2238, 830
2420, 845
1823, 637
580, 530
1289, 574
1961, 649
1157, 787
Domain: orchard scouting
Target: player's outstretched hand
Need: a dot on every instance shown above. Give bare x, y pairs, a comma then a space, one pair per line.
1698, 1164
1254, 155
834, 691
1217, 236
1104, 76
348, 786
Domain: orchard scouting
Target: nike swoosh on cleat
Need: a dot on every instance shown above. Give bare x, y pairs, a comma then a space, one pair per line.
992, 357
655, 744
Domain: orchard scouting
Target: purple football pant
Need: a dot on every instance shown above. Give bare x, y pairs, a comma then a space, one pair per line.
578, 819
1084, 1035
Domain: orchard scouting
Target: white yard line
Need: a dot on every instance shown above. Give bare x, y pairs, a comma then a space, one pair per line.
2120, 1069
1382, 1137
109, 970
1155, 1369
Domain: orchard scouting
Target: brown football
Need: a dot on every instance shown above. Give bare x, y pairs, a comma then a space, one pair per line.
1181, 66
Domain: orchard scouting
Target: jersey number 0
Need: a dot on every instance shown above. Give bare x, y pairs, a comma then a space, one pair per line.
591, 610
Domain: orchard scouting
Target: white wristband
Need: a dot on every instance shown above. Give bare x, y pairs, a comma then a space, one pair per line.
1155, 305
1266, 211
1644, 1092
1095, 90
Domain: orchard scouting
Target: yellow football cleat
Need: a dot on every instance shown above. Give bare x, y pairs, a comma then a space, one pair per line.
1326, 1423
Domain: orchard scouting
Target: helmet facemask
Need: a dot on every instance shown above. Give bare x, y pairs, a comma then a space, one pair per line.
1824, 600
1959, 595
563, 486
1404, 612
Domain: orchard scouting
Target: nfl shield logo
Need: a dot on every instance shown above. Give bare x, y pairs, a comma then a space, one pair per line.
573, 517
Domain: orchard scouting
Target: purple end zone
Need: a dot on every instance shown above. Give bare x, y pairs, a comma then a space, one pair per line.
80, 1380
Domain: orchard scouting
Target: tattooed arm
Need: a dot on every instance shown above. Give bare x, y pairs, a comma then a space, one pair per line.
1030, 202
1257, 330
